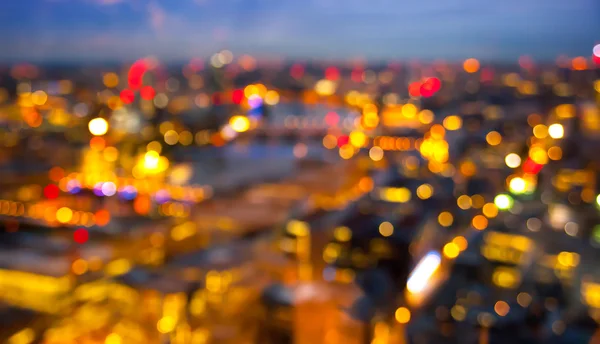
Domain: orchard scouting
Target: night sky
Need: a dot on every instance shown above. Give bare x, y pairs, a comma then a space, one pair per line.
502, 30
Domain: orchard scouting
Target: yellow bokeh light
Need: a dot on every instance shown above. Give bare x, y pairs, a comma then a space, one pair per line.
113, 338
540, 131
426, 116
239, 123
493, 138
452, 122
461, 242
342, 234
325, 87
409, 110
39, 97
517, 185
171, 137
154, 146
110, 80
424, 191
376, 153
329, 141
490, 210
451, 250
151, 160
271, 97
64, 215
538, 155
437, 131
445, 219
98, 126
346, 151
464, 202
555, 153
110, 154
358, 139
166, 324
477, 201
556, 131
386, 229
402, 315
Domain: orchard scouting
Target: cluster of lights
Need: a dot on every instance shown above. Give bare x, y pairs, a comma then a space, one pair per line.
128, 188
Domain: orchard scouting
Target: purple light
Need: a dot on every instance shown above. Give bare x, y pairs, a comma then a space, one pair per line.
128, 192
73, 186
98, 189
162, 196
254, 101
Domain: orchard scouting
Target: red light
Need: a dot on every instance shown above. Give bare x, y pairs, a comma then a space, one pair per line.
487, 75
297, 71
196, 65
216, 99
136, 74
147, 92
332, 73
343, 140
436, 84
414, 89
426, 90
332, 119
51, 191
531, 167
430, 87
237, 96
356, 75
127, 96
81, 236
526, 62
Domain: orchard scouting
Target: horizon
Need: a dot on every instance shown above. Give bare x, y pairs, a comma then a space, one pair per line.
124, 30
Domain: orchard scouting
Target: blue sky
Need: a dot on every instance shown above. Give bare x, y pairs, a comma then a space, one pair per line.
338, 29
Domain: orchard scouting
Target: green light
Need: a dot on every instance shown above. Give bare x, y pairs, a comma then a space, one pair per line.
518, 185
596, 234
503, 202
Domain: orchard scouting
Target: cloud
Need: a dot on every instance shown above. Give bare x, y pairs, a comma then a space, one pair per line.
157, 16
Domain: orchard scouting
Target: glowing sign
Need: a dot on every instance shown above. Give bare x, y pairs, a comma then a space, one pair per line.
506, 248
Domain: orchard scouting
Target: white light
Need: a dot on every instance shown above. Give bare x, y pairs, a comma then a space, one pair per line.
421, 274
98, 126
109, 189
596, 50
556, 131
517, 185
503, 201
512, 160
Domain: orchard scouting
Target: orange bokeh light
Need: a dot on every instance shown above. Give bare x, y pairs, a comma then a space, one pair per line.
56, 173
471, 65
102, 217
97, 143
579, 63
